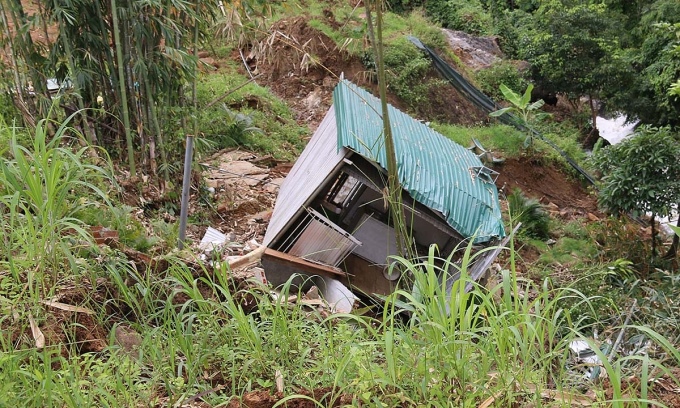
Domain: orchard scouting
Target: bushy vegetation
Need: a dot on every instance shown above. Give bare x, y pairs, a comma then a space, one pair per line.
489, 80
250, 117
534, 218
497, 138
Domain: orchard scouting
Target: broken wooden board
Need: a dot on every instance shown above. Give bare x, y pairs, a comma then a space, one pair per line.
302, 264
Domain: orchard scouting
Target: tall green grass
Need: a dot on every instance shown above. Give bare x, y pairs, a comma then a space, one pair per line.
42, 187
205, 337
425, 348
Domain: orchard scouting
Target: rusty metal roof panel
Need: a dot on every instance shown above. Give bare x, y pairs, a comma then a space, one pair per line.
436, 171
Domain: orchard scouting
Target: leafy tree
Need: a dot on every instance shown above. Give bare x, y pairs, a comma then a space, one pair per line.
641, 174
573, 49
123, 59
653, 55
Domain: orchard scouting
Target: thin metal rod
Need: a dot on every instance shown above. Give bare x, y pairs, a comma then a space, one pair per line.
186, 184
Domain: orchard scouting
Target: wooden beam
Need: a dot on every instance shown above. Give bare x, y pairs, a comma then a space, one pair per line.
303, 264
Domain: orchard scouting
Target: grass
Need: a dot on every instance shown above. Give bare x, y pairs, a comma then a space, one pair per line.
197, 340
200, 339
495, 138
195, 335
250, 117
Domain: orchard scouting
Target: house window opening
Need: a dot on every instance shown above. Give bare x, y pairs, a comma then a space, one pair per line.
344, 190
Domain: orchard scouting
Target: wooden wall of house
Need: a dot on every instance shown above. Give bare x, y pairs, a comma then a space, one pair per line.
367, 277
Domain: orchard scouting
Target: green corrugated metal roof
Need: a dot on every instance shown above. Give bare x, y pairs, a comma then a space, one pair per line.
436, 171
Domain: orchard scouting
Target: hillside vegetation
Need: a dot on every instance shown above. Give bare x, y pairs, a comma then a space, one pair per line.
99, 308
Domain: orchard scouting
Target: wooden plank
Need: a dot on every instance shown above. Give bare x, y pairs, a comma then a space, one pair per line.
303, 264
247, 259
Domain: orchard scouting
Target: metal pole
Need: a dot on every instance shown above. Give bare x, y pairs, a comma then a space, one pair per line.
186, 184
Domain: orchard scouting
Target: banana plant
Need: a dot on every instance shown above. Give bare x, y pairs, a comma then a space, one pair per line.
523, 109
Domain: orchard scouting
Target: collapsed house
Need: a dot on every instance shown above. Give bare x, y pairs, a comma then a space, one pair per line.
331, 219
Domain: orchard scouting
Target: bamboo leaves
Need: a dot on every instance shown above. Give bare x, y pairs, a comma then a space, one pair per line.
123, 57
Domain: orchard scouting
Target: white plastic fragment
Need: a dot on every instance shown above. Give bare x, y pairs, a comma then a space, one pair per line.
338, 296
212, 240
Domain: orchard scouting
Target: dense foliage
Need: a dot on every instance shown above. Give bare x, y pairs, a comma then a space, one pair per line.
621, 53
641, 174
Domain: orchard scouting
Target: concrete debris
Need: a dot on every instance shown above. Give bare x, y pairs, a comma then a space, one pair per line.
250, 246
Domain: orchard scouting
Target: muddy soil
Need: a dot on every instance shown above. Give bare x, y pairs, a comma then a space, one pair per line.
562, 193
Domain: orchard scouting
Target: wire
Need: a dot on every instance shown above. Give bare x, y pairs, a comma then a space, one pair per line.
486, 104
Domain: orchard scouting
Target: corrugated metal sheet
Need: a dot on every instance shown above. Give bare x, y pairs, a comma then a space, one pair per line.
436, 171
317, 161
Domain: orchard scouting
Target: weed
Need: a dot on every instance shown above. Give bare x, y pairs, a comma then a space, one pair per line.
42, 189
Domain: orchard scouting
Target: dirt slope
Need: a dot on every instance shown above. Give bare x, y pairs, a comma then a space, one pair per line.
308, 88
304, 65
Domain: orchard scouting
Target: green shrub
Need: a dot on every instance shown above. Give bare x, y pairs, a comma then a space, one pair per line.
620, 238
407, 67
250, 117
423, 29
535, 220
463, 15
490, 79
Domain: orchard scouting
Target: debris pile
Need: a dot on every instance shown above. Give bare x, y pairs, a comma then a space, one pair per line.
242, 188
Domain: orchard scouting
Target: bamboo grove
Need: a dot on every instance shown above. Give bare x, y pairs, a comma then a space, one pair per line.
127, 66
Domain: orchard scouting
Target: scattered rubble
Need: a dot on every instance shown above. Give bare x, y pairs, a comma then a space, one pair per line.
476, 52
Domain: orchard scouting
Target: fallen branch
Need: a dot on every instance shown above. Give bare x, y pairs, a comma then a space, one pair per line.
67, 307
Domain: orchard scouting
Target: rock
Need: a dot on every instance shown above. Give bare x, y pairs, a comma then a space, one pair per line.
592, 217
476, 52
313, 293
313, 100
128, 339
208, 63
274, 185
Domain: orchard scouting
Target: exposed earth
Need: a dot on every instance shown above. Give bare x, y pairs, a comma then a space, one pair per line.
309, 93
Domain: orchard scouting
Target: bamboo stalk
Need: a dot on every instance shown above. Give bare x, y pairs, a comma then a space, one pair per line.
157, 130
89, 132
109, 72
123, 92
393, 184
18, 87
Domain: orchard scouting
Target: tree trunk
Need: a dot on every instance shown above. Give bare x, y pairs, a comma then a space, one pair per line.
673, 250
653, 236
